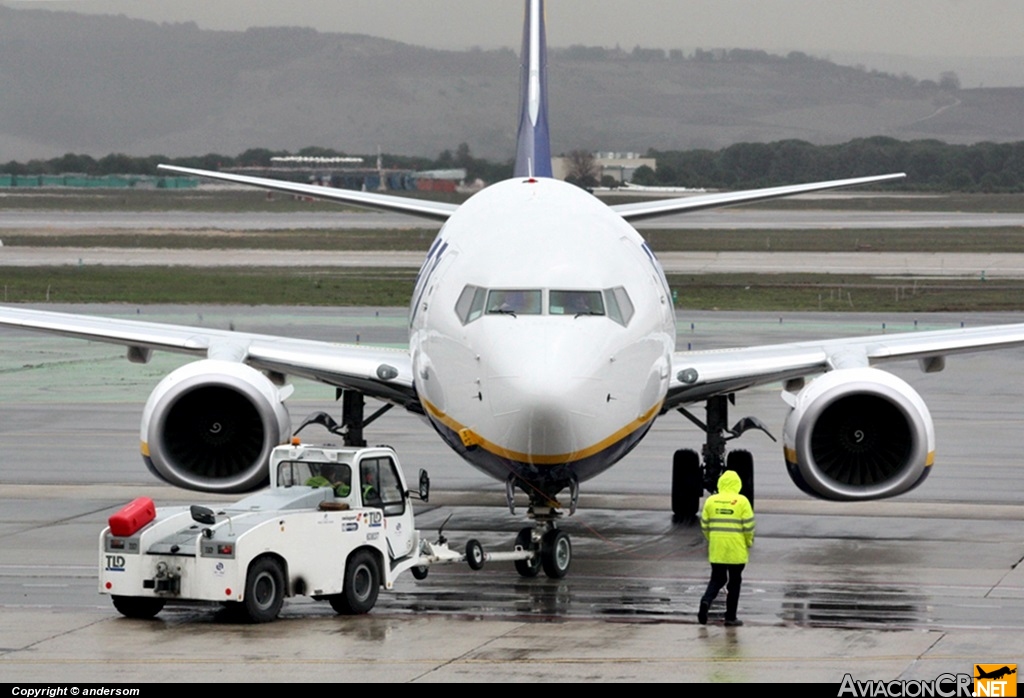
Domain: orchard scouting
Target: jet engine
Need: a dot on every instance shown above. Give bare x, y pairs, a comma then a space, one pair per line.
856, 434
210, 426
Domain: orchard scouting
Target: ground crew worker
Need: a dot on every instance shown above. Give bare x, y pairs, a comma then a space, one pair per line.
727, 522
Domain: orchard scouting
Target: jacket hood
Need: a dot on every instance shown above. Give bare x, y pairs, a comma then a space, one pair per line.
729, 483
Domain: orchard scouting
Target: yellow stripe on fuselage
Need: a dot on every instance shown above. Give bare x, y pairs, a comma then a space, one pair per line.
557, 459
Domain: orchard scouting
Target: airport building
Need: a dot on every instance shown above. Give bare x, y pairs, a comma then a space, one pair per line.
621, 166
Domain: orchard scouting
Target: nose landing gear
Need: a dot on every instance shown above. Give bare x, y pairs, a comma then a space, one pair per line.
548, 548
544, 546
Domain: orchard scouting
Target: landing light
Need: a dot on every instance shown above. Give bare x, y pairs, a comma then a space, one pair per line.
687, 375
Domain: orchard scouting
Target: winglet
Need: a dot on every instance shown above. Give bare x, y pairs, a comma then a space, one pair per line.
533, 143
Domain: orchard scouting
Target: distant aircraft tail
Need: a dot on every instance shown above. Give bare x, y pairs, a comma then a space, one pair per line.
533, 143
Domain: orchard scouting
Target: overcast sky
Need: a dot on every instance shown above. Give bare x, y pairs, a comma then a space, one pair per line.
907, 27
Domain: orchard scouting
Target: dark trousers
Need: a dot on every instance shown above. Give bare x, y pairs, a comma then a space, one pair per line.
719, 573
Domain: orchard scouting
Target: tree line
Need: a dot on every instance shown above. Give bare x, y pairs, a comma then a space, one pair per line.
930, 165
120, 164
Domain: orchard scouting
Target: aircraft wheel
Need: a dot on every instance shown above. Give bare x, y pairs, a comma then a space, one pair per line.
137, 607
527, 568
420, 573
742, 463
556, 553
264, 590
474, 554
362, 584
687, 484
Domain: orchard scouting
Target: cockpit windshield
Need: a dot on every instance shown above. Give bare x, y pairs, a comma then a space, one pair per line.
475, 302
514, 301
575, 303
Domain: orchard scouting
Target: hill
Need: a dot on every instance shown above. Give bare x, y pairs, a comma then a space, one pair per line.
93, 84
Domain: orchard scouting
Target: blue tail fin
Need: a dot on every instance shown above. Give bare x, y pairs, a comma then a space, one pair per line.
533, 143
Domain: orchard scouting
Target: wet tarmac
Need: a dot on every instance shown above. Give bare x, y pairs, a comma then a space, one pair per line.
904, 588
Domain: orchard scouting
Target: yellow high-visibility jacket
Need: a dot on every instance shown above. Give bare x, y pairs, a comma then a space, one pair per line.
728, 522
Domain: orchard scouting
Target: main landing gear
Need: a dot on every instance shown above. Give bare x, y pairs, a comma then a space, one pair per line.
353, 418
691, 477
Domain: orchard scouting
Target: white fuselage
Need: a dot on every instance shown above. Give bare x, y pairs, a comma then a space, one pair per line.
536, 386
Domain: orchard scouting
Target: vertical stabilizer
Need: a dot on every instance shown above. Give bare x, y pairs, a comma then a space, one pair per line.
533, 144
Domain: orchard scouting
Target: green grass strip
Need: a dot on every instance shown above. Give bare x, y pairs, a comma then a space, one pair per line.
391, 287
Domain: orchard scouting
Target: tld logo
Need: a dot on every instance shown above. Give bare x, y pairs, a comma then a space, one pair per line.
115, 563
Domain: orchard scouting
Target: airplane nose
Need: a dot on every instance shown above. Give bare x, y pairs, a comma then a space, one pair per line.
542, 393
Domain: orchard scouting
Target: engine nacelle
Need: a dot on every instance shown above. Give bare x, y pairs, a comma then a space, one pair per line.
856, 434
210, 426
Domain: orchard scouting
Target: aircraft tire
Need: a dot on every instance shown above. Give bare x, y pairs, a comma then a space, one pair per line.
527, 568
420, 573
687, 484
556, 553
742, 463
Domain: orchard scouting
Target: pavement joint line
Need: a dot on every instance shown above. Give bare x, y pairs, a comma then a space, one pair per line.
462, 659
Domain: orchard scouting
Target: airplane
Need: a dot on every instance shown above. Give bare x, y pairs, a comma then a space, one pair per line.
995, 674
542, 346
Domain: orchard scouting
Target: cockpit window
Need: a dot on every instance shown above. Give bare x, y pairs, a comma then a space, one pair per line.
620, 308
475, 302
514, 302
470, 305
575, 303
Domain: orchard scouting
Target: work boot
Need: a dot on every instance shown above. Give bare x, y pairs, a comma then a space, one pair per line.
734, 623
702, 614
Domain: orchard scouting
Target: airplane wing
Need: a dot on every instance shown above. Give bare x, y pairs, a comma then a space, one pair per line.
698, 375
665, 207
375, 371
434, 210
